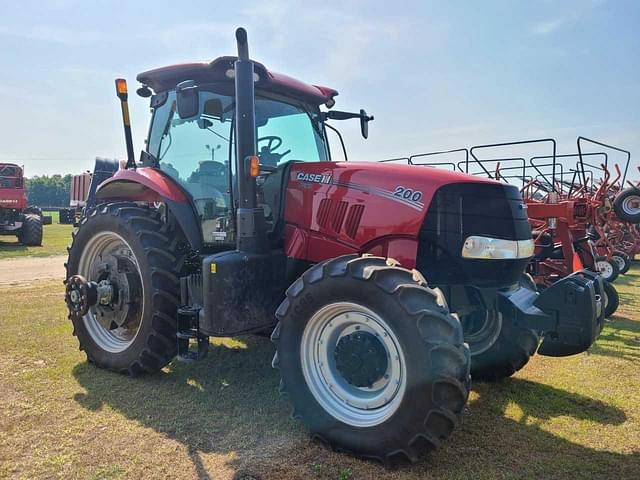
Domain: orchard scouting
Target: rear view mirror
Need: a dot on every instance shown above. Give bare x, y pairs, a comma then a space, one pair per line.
364, 119
364, 123
187, 99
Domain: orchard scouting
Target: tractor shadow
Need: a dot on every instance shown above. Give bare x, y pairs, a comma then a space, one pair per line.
505, 434
229, 403
13, 246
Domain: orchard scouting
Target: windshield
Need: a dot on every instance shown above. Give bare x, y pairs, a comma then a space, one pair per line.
10, 176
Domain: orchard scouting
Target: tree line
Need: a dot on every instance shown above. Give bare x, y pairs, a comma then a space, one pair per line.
49, 191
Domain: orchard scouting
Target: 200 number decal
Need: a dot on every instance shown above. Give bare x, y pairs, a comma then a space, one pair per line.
407, 193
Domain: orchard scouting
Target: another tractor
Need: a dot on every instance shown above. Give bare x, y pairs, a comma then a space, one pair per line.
235, 220
16, 217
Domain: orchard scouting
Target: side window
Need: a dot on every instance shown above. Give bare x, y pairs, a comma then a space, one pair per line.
196, 153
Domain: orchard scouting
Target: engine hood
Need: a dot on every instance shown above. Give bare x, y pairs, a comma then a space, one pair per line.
357, 203
404, 186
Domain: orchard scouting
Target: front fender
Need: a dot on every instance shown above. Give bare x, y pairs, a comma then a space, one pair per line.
152, 185
142, 184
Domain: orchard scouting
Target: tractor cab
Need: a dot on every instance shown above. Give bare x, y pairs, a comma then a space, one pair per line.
10, 176
196, 150
193, 130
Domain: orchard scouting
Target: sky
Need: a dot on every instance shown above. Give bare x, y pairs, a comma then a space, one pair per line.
436, 75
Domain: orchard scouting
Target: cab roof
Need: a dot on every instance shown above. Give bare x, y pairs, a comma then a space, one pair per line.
166, 78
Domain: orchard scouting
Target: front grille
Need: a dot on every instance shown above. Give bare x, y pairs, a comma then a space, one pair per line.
463, 209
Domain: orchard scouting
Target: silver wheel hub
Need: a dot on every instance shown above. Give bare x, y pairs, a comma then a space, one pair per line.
337, 339
631, 205
605, 268
619, 261
113, 323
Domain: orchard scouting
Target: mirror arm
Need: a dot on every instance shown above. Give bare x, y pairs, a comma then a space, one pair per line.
344, 149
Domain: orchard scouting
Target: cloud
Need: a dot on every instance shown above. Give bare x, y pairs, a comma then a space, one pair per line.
547, 27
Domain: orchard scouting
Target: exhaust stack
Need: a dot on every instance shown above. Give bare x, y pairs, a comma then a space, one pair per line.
251, 230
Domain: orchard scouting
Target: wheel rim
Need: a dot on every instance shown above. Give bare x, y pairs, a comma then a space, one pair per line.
481, 329
619, 261
113, 327
605, 268
631, 205
325, 333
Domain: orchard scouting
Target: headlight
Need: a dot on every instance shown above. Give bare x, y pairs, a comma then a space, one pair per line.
495, 248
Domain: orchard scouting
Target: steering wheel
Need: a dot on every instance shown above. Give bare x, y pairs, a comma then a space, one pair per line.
266, 152
271, 140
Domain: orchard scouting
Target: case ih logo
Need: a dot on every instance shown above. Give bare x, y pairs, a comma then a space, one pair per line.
8, 201
313, 177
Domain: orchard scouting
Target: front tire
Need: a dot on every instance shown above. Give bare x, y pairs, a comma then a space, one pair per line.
371, 358
608, 269
611, 299
132, 248
623, 261
511, 346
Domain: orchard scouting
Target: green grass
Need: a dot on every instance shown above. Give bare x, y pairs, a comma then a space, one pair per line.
60, 417
55, 241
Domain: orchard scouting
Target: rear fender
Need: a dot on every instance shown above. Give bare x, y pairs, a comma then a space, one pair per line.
151, 185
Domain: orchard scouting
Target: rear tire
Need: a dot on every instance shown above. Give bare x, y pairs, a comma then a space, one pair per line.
509, 352
611, 299
31, 231
427, 359
147, 251
608, 269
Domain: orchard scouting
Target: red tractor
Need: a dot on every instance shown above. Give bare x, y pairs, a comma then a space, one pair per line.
16, 217
235, 220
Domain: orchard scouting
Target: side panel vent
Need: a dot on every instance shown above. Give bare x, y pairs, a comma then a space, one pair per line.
353, 220
323, 212
338, 216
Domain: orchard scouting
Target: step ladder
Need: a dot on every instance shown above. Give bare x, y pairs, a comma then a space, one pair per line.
192, 345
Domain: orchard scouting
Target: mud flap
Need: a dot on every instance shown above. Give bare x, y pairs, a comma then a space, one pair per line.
575, 303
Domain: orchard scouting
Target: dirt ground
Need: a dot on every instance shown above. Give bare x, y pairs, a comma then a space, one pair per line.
22, 270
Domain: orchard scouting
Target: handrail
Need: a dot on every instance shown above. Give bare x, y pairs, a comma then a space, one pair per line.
569, 155
507, 144
595, 142
441, 152
495, 160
